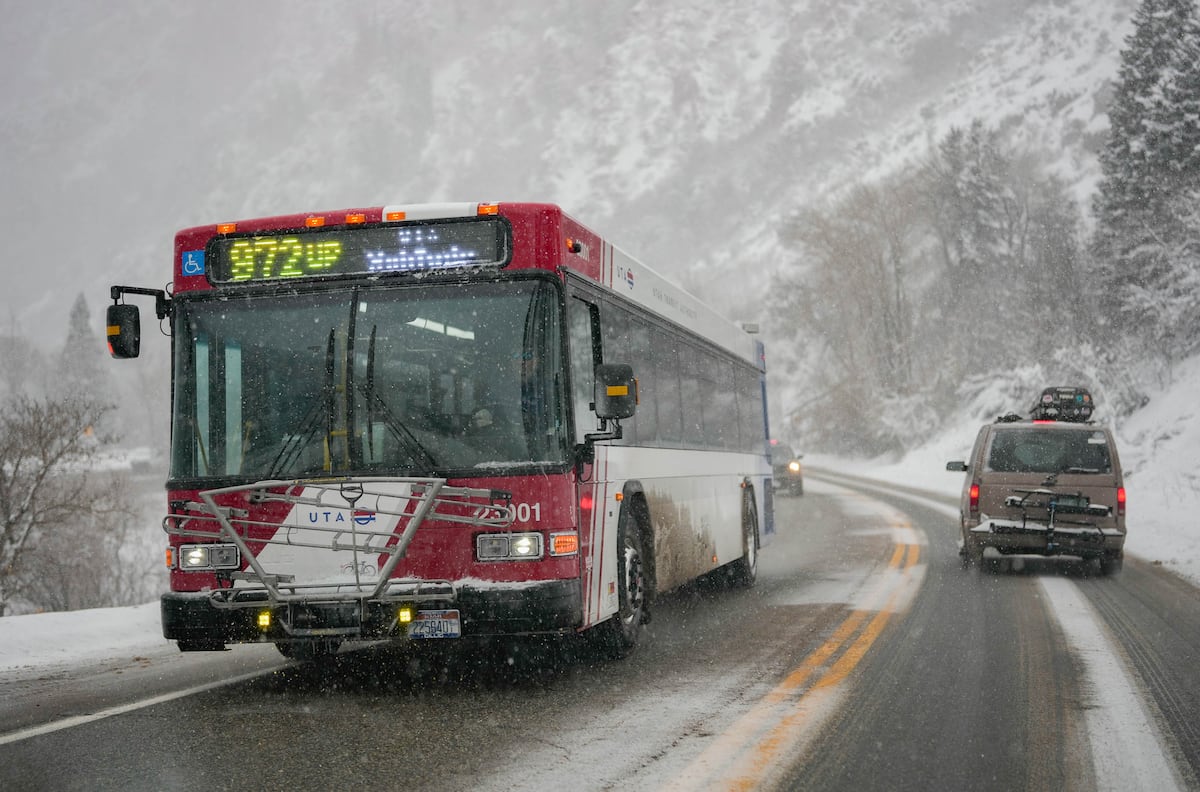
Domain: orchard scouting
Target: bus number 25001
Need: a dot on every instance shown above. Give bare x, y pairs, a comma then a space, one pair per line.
528, 512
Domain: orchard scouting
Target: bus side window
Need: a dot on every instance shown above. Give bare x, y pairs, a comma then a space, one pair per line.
645, 421
669, 401
581, 322
694, 388
721, 421
752, 437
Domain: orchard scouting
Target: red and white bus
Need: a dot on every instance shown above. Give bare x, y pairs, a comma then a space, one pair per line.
444, 420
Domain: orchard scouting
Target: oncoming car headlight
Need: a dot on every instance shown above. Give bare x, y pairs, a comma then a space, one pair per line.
209, 556
794, 466
508, 546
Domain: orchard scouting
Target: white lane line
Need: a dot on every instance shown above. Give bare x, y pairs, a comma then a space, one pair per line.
1127, 747
79, 720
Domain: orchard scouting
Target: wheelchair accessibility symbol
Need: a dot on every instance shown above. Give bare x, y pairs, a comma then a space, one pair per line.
193, 262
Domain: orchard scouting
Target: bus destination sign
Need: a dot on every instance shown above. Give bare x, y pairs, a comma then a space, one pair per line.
364, 250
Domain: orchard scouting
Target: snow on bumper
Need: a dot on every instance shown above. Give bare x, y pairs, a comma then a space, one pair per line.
1037, 538
542, 607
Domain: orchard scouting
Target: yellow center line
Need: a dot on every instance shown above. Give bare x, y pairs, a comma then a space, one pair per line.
817, 658
784, 727
854, 655
767, 751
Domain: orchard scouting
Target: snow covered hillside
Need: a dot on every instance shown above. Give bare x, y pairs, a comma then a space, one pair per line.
1160, 454
685, 131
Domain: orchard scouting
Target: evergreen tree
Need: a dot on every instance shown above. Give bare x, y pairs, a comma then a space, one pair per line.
1151, 174
1054, 252
1004, 230
79, 361
82, 369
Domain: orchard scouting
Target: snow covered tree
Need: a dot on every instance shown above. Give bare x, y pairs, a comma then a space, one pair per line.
1146, 237
80, 362
83, 368
965, 266
850, 305
965, 186
95, 560
1006, 240
46, 461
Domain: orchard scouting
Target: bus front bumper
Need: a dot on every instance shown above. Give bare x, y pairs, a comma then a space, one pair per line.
545, 607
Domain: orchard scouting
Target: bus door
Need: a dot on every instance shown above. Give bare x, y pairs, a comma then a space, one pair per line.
583, 329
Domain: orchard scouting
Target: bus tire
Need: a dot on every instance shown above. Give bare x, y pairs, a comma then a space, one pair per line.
619, 635
744, 571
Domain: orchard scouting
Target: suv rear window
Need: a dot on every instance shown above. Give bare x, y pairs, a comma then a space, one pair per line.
1048, 451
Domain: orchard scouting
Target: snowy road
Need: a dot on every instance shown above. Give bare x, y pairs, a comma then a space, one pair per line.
864, 659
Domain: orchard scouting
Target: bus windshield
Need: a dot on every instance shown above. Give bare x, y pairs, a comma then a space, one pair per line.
370, 380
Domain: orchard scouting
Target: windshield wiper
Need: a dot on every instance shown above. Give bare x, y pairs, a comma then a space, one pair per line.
321, 409
375, 402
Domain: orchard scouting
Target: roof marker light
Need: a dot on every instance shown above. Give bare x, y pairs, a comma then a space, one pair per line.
488, 209
356, 218
226, 228
394, 217
314, 222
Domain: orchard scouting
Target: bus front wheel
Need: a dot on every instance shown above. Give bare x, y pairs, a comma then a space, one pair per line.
619, 635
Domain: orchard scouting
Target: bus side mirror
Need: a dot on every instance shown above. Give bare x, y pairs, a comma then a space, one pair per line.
124, 331
616, 391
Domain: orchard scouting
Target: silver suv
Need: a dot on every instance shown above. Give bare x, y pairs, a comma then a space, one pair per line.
1047, 486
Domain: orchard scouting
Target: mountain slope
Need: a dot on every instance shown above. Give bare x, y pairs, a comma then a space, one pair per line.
684, 130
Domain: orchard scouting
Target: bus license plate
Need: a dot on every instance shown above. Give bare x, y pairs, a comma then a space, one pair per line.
435, 624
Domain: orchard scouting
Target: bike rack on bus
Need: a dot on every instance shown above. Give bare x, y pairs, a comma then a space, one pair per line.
412, 501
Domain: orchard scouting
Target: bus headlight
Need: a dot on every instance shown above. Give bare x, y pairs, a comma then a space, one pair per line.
527, 546
508, 546
209, 556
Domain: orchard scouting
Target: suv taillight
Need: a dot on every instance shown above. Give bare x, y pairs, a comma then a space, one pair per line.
1120, 501
973, 499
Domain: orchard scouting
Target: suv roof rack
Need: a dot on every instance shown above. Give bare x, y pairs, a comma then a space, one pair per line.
1064, 403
